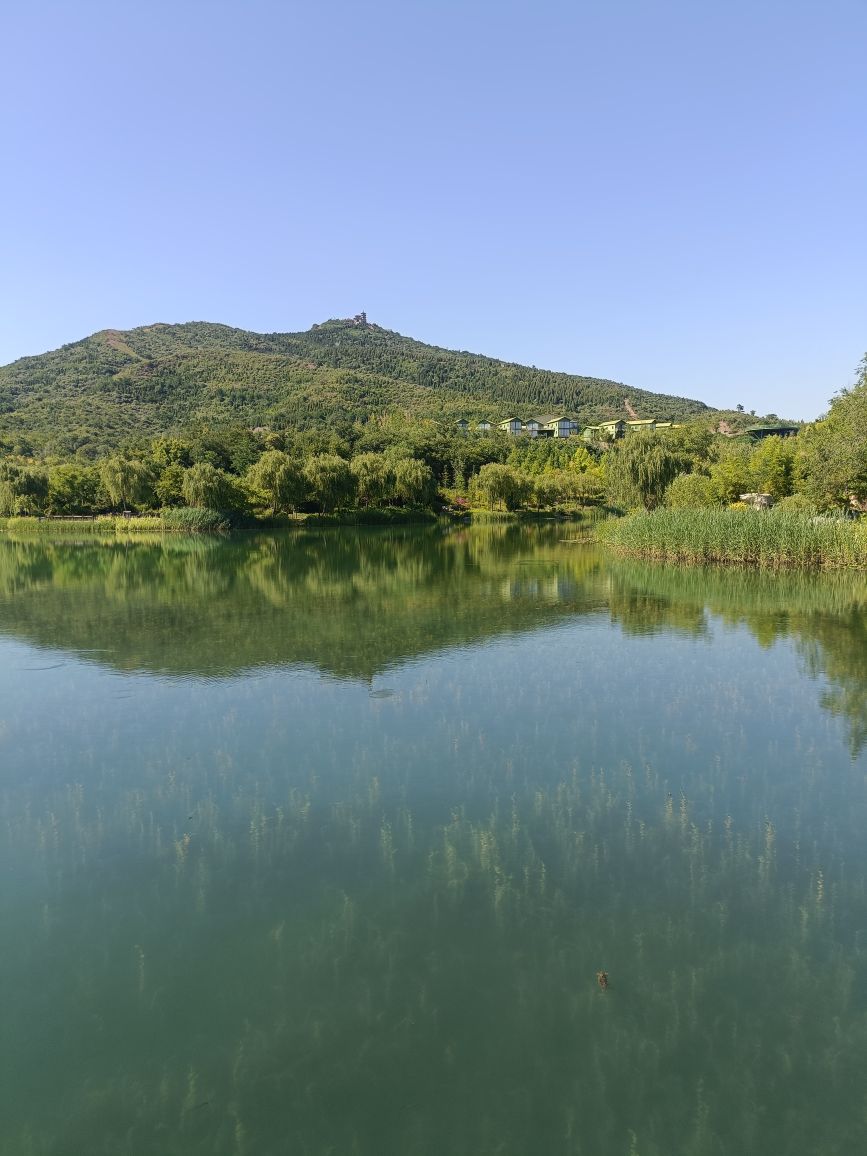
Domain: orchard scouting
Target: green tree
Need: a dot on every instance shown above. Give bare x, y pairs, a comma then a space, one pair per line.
171, 451
125, 481
414, 483
501, 485
331, 481
691, 492
556, 487
169, 486
23, 490
772, 466
279, 480
834, 450
373, 477
640, 468
208, 487
74, 489
730, 474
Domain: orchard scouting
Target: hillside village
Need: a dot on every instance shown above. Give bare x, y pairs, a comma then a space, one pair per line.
559, 426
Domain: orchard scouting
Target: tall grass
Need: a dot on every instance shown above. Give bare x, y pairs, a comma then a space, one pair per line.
183, 520
773, 539
194, 520
95, 527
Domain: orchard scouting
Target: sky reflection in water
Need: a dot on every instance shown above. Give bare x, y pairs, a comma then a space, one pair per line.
317, 843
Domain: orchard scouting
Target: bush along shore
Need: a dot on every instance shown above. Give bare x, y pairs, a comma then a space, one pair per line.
775, 538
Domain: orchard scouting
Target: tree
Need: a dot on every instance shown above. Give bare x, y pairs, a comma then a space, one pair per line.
772, 466
414, 483
374, 478
169, 486
502, 485
74, 489
278, 479
640, 469
730, 474
125, 481
171, 451
331, 480
691, 492
206, 486
22, 490
834, 450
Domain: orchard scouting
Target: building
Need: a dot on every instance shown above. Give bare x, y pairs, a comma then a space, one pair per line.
547, 426
484, 426
757, 432
556, 425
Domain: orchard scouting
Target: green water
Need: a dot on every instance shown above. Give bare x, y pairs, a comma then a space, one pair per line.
315, 844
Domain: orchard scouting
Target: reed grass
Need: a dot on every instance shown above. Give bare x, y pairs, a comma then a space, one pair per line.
777, 538
183, 521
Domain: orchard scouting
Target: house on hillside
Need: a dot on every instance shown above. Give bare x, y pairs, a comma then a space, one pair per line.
555, 425
462, 424
547, 426
484, 426
640, 423
757, 432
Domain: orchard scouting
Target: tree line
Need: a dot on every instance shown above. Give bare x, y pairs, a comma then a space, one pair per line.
405, 462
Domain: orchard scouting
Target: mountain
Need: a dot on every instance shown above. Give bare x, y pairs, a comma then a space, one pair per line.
114, 386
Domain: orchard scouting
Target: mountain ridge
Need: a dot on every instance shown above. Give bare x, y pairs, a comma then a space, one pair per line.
116, 386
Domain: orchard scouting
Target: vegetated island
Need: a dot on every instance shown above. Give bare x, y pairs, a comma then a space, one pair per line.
201, 427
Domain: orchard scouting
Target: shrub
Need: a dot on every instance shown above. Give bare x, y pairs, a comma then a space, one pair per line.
194, 520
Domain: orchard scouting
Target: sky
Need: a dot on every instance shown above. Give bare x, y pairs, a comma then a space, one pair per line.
669, 193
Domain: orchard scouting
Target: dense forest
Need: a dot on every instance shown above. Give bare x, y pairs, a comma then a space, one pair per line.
103, 393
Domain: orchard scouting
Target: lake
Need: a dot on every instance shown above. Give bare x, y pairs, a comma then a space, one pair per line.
315, 843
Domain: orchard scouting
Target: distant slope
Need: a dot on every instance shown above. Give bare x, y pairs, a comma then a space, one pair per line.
116, 385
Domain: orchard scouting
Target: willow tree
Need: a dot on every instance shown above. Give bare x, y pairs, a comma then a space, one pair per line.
331, 481
208, 487
641, 468
124, 480
278, 480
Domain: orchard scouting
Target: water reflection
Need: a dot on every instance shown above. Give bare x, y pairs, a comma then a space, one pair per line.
353, 603
264, 909
350, 603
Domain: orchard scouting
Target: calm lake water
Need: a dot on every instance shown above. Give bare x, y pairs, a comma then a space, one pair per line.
316, 843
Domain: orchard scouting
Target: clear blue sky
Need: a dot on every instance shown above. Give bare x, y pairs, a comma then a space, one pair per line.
671, 193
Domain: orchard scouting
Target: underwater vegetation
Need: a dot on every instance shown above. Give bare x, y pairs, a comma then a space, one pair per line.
595, 886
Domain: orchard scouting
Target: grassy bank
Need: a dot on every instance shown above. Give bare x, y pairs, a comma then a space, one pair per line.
388, 516
772, 539
175, 521
581, 514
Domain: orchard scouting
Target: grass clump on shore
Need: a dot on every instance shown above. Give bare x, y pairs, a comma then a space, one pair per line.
382, 516
195, 520
775, 538
182, 520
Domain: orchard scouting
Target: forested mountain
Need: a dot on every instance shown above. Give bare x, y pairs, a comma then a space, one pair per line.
116, 386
